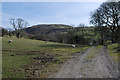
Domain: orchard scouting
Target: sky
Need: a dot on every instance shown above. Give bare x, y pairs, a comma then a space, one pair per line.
69, 13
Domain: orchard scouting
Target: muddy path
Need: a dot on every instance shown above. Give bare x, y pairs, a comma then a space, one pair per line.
93, 63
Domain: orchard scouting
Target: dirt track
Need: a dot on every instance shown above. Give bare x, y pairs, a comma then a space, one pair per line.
93, 63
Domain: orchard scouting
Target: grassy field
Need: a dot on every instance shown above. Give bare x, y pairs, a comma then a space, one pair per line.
113, 51
25, 58
87, 34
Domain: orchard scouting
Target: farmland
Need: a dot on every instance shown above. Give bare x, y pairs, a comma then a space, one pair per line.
25, 58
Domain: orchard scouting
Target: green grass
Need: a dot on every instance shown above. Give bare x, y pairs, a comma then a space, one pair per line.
86, 32
113, 51
96, 49
20, 58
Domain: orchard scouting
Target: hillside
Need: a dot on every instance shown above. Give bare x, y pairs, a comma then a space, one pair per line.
47, 29
60, 33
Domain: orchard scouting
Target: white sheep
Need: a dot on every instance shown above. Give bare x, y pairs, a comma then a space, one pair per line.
73, 46
91, 43
9, 41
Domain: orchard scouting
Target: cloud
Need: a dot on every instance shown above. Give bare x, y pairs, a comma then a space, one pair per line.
0, 14
70, 13
6, 19
55, 0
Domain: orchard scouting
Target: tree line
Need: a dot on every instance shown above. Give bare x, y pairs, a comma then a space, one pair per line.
106, 19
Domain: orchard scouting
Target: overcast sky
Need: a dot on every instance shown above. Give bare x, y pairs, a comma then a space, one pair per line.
48, 12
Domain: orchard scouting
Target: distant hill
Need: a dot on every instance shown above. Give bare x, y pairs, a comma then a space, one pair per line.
59, 33
47, 29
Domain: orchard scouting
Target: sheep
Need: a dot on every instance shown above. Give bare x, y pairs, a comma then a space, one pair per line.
91, 43
9, 41
73, 46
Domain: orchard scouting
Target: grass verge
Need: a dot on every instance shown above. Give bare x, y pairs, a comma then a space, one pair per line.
113, 51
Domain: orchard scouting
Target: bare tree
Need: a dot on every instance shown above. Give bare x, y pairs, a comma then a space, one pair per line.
18, 25
13, 23
108, 15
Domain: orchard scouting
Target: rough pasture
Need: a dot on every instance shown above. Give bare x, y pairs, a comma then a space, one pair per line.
25, 58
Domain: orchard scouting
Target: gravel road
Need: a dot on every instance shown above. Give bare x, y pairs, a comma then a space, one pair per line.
93, 63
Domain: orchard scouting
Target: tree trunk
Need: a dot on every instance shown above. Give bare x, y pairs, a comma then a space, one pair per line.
102, 42
119, 47
102, 38
18, 35
113, 40
113, 37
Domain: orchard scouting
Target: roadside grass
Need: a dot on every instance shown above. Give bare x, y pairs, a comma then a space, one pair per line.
113, 51
25, 58
96, 48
